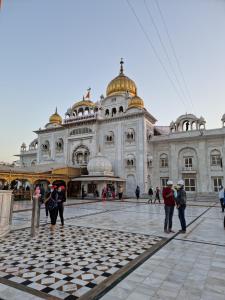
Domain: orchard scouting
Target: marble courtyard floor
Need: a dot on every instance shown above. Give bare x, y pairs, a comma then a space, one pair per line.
115, 250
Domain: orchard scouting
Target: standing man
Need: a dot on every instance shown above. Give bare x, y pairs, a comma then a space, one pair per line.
181, 204
137, 192
150, 193
157, 196
61, 199
221, 197
169, 201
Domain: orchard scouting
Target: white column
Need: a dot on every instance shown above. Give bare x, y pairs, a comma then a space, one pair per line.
5, 211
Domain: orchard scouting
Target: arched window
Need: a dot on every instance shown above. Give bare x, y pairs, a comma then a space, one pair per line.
109, 137
34, 162
163, 160
113, 111
149, 161
33, 145
215, 158
107, 112
45, 147
86, 111
130, 135
186, 126
149, 135
81, 155
80, 112
75, 113
121, 109
59, 145
193, 126
130, 161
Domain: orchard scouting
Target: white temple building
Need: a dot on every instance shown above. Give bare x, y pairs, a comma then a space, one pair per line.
115, 141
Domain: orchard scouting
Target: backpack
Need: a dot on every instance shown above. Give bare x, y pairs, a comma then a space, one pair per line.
52, 203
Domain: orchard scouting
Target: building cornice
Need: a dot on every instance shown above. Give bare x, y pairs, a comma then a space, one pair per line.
190, 135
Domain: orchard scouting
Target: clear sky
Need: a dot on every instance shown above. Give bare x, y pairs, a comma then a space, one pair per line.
51, 51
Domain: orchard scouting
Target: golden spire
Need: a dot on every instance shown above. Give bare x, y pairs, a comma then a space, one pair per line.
121, 66
121, 84
55, 118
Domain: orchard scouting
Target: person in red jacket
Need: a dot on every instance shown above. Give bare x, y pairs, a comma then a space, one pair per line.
169, 201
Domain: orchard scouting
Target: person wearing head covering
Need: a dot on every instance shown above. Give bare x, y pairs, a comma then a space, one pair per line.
221, 197
181, 204
61, 200
169, 201
52, 203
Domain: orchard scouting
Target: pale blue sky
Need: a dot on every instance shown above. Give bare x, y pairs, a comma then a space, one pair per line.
52, 50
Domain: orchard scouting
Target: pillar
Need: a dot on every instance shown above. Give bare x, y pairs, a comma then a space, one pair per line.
5, 211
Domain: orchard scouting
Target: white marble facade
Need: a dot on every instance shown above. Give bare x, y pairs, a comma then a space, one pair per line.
125, 132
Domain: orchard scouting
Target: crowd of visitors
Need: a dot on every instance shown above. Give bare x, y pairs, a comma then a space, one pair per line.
54, 200
173, 196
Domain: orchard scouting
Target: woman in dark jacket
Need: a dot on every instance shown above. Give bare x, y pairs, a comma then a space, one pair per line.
181, 205
52, 203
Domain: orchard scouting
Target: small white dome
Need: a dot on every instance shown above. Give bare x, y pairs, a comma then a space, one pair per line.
99, 165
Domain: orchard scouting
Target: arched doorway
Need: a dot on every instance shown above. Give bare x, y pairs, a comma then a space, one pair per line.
74, 189
3, 184
21, 189
131, 185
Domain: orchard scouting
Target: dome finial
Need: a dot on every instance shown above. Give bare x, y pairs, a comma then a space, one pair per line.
56, 110
121, 66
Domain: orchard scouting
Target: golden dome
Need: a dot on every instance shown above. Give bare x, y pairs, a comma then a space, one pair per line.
136, 102
121, 83
86, 103
55, 118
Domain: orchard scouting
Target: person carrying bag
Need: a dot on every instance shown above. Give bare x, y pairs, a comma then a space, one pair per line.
52, 203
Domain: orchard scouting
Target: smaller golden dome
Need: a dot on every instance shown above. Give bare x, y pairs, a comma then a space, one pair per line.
122, 84
86, 103
136, 102
55, 118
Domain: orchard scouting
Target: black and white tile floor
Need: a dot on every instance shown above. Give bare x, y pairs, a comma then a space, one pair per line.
70, 262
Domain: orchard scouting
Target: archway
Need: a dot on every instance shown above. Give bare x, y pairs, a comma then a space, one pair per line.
3, 184
21, 189
74, 189
131, 185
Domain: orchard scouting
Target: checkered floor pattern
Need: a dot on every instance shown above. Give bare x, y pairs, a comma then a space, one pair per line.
70, 262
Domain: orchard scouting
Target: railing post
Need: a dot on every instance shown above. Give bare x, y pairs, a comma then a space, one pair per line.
11, 210
35, 219
5, 211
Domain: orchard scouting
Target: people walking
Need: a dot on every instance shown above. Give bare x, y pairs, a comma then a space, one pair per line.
157, 195
181, 204
61, 199
150, 193
53, 206
169, 201
137, 192
221, 197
